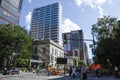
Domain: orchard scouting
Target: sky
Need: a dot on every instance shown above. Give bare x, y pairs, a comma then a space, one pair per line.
76, 14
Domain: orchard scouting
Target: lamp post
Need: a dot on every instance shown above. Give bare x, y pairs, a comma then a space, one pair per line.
13, 59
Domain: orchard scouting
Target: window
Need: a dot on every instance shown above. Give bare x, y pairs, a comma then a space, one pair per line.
44, 50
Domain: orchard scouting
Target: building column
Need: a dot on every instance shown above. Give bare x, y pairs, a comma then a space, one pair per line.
78, 54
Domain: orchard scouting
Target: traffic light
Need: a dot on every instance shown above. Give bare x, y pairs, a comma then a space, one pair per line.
93, 52
65, 39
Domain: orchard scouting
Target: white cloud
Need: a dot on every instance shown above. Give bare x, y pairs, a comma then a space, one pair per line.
28, 20
69, 26
94, 4
29, 1
100, 2
91, 3
79, 2
101, 12
84, 2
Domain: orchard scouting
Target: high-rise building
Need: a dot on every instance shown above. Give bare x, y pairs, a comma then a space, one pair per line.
75, 45
46, 23
10, 11
77, 41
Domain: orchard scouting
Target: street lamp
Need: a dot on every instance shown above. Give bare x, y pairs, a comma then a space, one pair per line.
14, 55
13, 59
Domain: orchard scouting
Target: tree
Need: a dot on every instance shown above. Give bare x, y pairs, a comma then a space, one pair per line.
14, 39
107, 31
104, 27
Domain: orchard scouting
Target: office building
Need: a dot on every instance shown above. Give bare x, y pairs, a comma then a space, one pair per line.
46, 23
10, 11
46, 51
75, 45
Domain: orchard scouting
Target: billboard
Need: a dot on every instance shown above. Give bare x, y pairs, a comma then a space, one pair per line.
61, 60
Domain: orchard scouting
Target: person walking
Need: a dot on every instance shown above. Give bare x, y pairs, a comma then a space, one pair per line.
116, 72
79, 71
96, 72
70, 70
84, 73
74, 72
48, 70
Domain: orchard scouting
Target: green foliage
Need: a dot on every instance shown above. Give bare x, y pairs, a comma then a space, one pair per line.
104, 26
45, 64
81, 63
14, 39
38, 67
23, 69
107, 32
22, 62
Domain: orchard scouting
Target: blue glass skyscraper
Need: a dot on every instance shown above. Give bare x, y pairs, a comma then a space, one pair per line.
10, 11
46, 23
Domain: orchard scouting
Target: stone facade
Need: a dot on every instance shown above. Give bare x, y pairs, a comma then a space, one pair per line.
47, 51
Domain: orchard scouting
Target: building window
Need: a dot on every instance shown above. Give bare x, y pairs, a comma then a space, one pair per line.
44, 50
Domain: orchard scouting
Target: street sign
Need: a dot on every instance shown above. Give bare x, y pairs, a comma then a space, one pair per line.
61, 60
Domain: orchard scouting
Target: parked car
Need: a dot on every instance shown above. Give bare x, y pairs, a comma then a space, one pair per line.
10, 71
42, 70
5, 71
14, 71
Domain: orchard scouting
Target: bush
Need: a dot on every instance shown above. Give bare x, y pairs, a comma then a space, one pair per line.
24, 69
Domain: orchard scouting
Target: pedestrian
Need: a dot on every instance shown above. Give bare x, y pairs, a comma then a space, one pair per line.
70, 70
74, 72
37, 69
48, 70
79, 71
84, 73
116, 72
96, 72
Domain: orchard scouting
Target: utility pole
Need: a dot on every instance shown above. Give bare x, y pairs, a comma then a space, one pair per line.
94, 48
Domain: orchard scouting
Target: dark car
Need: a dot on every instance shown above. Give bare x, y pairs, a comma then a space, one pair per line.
5, 71
14, 71
10, 71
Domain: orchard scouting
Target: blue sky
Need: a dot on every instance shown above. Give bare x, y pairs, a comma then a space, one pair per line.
77, 14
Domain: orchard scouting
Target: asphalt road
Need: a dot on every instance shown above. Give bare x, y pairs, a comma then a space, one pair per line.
43, 76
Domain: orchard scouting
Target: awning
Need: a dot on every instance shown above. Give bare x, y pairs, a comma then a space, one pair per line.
36, 61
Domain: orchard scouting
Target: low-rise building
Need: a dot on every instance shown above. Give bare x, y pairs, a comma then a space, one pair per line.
47, 52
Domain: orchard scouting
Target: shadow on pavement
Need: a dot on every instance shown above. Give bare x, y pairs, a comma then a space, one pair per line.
65, 78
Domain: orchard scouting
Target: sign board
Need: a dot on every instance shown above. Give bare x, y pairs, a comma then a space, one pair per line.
61, 60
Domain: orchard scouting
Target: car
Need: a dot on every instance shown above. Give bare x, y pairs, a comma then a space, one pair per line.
5, 71
10, 71
13, 71
42, 70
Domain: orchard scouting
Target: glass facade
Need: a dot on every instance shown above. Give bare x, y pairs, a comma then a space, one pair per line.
77, 41
10, 11
46, 23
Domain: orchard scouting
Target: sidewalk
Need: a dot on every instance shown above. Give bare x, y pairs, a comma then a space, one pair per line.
1, 75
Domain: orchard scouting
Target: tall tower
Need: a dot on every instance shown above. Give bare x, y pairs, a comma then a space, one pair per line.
10, 11
75, 44
77, 40
46, 23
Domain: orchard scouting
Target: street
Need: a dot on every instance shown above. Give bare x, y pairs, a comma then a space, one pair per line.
43, 76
